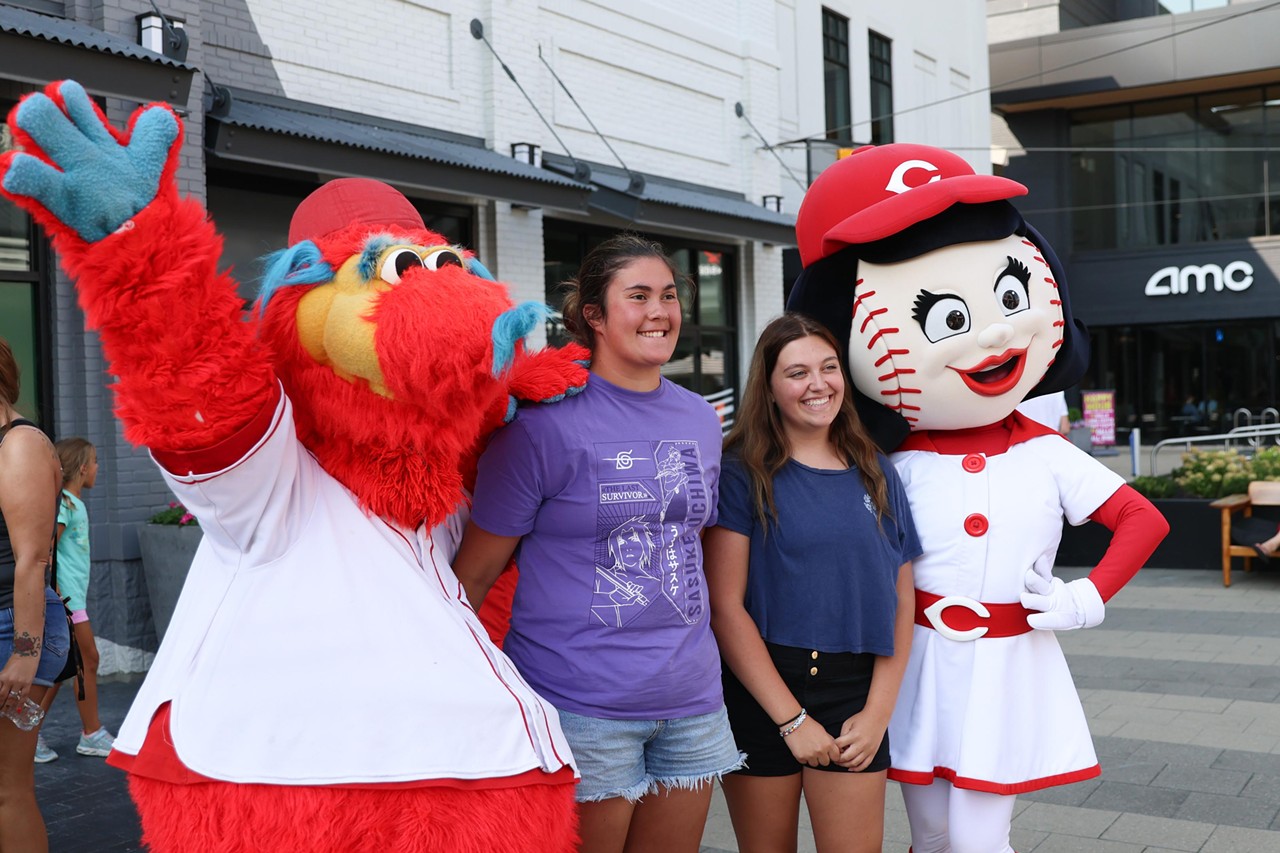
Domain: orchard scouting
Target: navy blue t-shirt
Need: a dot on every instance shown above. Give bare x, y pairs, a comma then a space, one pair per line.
825, 575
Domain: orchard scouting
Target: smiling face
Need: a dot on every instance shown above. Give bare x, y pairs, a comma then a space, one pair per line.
955, 338
637, 331
807, 386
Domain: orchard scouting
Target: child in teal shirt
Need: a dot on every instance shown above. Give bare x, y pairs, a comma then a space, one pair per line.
79, 472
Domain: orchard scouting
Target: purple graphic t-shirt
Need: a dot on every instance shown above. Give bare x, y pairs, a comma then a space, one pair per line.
610, 491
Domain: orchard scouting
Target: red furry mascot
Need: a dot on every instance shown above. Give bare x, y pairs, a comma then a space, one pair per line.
324, 685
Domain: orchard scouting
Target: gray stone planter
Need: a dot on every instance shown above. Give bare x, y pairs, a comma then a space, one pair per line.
1082, 437
167, 550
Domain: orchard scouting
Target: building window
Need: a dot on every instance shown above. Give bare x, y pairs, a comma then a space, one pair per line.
1178, 170
23, 295
880, 53
835, 69
705, 357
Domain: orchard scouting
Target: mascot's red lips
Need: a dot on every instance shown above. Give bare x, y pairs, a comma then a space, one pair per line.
995, 375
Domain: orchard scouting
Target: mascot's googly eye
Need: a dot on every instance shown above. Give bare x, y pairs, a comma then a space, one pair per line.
397, 263
1011, 288
439, 258
941, 316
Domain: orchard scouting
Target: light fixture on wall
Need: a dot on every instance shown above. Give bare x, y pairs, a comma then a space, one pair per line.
773, 203
162, 35
527, 152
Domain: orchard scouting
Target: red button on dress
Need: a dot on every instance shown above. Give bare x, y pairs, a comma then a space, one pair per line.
973, 463
976, 524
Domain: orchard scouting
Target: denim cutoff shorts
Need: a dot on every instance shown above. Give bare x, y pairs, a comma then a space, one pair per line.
631, 758
57, 639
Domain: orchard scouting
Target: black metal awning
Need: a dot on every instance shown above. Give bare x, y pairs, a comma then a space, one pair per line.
258, 129
39, 49
634, 199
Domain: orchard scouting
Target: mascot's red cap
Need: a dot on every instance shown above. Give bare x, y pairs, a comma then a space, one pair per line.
879, 190
348, 201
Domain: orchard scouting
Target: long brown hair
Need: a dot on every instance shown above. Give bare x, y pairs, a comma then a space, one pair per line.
760, 440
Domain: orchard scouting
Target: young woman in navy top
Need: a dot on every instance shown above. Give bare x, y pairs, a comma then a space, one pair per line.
809, 574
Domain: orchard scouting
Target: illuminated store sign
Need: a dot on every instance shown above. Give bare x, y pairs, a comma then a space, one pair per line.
1236, 276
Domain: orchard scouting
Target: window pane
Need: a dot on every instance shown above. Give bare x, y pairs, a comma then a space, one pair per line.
18, 328
835, 66
1099, 178
711, 361
15, 249
713, 309
680, 369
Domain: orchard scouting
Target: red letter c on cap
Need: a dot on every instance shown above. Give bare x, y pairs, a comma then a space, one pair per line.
897, 182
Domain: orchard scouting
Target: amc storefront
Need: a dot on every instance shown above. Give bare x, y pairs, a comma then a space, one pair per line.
1185, 335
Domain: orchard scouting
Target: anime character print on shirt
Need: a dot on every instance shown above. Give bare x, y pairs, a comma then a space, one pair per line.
653, 497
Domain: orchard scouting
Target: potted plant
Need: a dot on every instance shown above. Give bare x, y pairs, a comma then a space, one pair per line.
168, 543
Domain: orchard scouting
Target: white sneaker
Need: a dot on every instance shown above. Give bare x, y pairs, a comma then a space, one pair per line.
99, 743
43, 753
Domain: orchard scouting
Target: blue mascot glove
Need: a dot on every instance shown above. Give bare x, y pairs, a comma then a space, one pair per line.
91, 182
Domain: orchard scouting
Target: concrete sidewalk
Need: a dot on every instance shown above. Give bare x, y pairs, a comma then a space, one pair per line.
1181, 684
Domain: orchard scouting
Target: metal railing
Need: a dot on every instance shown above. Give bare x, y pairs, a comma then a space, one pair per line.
1254, 436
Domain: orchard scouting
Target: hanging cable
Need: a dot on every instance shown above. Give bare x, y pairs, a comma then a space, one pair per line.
581, 171
742, 114
636, 185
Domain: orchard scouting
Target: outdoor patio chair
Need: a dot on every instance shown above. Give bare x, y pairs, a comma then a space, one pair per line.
1239, 534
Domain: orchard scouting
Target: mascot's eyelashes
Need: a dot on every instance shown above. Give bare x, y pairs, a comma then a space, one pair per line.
1011, 287
941, 315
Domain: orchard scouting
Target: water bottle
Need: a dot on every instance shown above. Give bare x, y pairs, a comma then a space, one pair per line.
25, 716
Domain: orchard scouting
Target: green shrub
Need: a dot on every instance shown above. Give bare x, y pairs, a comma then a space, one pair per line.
1214, 473
175, 513
1154, 488
1266, 464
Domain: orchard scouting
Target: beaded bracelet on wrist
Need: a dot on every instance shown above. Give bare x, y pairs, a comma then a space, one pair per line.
795, 724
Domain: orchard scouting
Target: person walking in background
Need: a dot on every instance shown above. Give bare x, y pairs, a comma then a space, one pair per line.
1048, 409
79, 461
606, 495
33, 628
809, 573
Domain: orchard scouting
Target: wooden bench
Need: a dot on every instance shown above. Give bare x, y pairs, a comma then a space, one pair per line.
1261, 493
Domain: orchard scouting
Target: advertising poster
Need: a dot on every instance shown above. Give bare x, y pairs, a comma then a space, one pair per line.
1100, 416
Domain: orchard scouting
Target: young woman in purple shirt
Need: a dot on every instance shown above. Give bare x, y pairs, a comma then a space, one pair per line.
603, 498
811, 599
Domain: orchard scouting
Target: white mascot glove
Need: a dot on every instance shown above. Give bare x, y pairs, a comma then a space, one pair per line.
1062, 606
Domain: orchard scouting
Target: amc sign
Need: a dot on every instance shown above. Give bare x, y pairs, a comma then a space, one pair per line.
1170, 281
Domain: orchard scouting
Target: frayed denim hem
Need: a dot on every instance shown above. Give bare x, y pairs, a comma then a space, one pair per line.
650, 785
632, 795
692, 783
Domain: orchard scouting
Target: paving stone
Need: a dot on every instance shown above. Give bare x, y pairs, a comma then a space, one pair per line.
1255, 762
1071, 844
1124, 797
1176, 753
1203, 779
1233, 839
1232, 811
1084, 822
1135, 772
1159, 831
1064, 795
1263, 786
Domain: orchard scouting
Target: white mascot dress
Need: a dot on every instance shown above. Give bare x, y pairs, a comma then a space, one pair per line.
955, 310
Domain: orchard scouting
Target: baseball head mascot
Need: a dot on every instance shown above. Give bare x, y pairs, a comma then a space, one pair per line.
324, 684
955, 310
